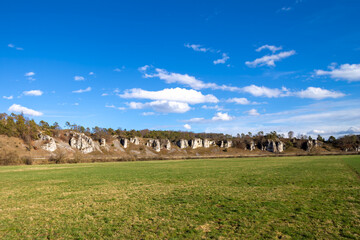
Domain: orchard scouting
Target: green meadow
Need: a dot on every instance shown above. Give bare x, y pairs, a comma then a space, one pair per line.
315, 197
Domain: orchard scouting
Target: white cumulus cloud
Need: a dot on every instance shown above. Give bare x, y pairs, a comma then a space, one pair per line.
8, 97
163, 106
187, 126
15, 108
33, 93
349, 72
29, 74
222, 117
171, 94
318, 93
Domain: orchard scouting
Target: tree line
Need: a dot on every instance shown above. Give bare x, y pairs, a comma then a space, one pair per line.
17, 125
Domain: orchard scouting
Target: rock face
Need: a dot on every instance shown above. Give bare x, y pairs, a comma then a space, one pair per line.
81, 142
124, 142
275, 146
182, 143
196, 143
156, 145
49, 144
250, 146
150, 142
206, 143
310, 144
228, 144
135, 140
103, 142
167, 144
221, 144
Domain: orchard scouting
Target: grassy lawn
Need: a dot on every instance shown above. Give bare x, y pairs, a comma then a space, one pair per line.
249, 198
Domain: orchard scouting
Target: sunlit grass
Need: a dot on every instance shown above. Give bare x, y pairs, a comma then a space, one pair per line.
297, 197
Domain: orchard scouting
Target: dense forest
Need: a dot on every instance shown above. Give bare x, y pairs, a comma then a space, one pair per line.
16, 125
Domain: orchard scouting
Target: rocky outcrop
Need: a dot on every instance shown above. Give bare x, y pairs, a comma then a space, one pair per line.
250, 146
228, 144
135, 140
208, 143
49, 142
310, 144
81, 142
275, 146
182, 143
221, 144
102, 142
149, 142
156, 145
124, 142
167, 144
196, 143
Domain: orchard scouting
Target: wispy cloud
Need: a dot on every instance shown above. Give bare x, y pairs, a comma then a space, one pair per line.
269, 60
114, 107
187, 126
253, 112
33, 93
88, 89
15, 108
222, 60
197, 47
10, 45
119, 69
272, 48
8, 97
79, 78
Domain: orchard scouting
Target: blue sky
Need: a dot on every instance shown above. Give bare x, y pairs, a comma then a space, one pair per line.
213, 66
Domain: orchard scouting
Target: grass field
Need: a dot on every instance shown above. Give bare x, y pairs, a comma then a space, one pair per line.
249, 198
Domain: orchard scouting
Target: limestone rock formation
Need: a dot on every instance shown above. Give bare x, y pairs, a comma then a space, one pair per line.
102, 142
124, 142
156, 145
149, 142
250, 146
182, 143
135, 140
49, 142
167, 144
310, 144
196, 143
275, 146
81, 142
206, 143
228, 144
221, 144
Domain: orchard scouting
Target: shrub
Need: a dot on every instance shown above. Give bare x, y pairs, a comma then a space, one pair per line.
58, 157
27, 160
9, 158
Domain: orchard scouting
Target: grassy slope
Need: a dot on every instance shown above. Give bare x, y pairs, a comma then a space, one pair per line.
298, 197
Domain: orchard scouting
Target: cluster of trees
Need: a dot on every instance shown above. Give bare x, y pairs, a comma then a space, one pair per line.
16, 125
